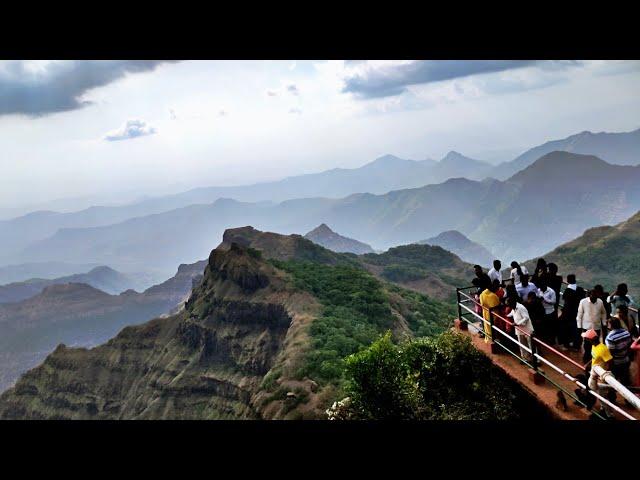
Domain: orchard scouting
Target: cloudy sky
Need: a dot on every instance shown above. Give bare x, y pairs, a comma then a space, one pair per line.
118, 130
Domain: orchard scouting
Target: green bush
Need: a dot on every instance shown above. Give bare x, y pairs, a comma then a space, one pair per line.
356, 310
437, 378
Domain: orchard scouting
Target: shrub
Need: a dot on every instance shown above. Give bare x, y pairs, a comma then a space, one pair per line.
437, 378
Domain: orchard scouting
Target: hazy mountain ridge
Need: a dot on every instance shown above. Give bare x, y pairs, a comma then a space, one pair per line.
619, 148
467, 250
382, 175
103, 278
78, 314
386, 174
551, 201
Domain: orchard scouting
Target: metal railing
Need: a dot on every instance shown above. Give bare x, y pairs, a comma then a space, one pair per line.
539, 351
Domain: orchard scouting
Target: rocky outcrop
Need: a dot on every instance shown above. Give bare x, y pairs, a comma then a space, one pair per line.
208, 361
324, 236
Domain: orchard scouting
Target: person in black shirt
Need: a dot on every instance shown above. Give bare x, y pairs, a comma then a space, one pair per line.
602, 295
539, 276
536, 314
571, 297
554, 281
482, 280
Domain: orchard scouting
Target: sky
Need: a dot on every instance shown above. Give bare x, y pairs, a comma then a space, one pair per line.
115, 131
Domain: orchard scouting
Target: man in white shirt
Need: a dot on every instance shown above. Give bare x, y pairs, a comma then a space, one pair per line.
548, 297
524, 328
591, 316
494, 273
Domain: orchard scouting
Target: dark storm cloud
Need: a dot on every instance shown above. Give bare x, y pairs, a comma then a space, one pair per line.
393, 80
59, 86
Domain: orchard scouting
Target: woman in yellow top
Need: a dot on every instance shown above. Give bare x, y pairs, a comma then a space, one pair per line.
488, 299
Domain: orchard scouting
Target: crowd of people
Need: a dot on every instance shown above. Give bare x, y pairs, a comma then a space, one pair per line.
600, 325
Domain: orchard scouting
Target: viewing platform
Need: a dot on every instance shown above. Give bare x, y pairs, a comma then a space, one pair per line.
549, 375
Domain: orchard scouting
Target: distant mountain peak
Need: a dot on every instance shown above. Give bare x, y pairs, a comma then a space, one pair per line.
323, 228
327, 238
456, 242
453, 155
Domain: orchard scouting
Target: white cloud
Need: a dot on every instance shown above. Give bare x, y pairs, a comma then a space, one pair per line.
131, 129
293, 89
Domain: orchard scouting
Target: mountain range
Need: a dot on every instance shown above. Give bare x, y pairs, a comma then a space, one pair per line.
386, 174
380, 176
79, 314
552, 201
103, 278
327, 238
620, 148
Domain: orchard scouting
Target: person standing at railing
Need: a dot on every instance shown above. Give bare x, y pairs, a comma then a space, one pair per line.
536, 313
481, 282
540, 273
550, 325
621, 297
622, 314
525, 286
618, 342
517, 271
554, 281
591, 316
607, 306
524, 328
571, 297
495, 273
488, 300
600, 356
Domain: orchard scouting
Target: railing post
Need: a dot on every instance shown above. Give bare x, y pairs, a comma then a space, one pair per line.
495, 347
534, 373
460, 323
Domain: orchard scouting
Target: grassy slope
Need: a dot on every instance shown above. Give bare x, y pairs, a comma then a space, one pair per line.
606, 255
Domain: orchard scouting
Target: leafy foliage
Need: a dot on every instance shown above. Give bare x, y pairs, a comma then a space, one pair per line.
437, 378
356, 311
425, 316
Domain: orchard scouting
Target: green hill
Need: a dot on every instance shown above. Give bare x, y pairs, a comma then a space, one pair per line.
606, 255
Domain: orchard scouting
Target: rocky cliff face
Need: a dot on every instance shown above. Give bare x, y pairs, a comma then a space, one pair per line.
208, 361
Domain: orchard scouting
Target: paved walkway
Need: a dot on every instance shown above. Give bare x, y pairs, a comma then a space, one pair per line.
546, 392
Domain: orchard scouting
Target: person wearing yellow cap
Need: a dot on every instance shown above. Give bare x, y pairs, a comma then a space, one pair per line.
600, 356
